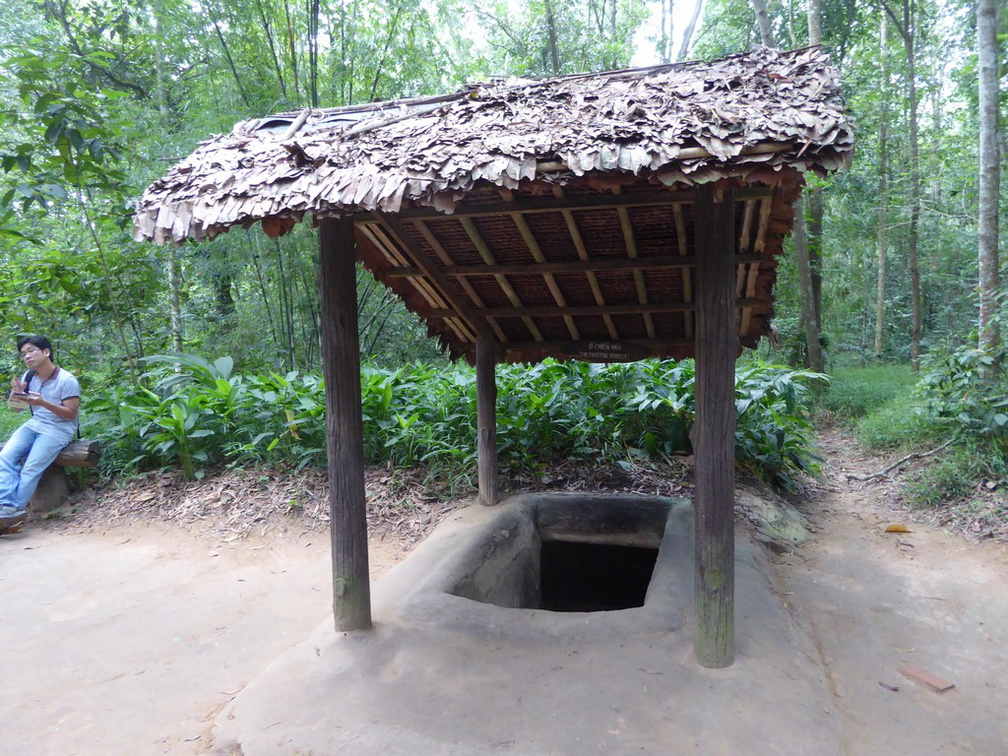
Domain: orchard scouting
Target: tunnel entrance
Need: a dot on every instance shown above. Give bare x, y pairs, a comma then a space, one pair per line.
566, 554
594, 577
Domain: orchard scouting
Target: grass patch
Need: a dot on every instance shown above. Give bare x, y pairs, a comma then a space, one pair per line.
947, 478
855, 392
898, 424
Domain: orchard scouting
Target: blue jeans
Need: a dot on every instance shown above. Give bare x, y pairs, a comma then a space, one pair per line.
19, 481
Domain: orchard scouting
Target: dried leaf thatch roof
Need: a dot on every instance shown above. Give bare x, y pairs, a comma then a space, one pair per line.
490, 207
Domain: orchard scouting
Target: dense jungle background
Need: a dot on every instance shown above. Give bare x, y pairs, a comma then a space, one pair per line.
890, 304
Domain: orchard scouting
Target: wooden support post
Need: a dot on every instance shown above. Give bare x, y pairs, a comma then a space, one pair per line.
344, 424
486, 418
714, 433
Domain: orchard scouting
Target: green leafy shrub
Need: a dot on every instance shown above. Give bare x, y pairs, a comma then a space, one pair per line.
970, 387
199, 413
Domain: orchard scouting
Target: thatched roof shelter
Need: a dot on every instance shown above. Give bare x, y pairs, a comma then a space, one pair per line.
555, 213
605, 217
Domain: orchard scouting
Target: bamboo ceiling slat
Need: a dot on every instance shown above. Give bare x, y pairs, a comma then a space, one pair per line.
502, 281
422, 286
445, 258
549, 278
685, 272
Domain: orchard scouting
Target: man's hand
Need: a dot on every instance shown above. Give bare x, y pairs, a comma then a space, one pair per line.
17, 386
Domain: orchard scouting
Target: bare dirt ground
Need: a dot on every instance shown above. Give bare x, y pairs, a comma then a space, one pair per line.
128, 626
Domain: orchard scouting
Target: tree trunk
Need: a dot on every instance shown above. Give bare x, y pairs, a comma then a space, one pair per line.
763, 22
688, 33
813, 347
906, 27
990, 177
815, 211
883, 194
344, 425
554, 51
175, 307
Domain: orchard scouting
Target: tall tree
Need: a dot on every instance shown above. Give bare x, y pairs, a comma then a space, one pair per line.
904, 17
881, 231
990, 178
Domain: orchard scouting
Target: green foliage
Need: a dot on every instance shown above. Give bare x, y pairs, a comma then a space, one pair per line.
773, 437
9, 420
550, 37
201, 413
969, 387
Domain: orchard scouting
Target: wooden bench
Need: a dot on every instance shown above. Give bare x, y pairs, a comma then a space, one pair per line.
53, 489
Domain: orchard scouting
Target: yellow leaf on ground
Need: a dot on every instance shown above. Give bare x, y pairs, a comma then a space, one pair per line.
897, 529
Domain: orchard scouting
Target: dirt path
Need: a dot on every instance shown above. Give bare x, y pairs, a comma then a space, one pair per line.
873, 600
129, 640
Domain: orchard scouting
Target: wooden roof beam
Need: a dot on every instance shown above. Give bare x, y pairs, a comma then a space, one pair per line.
631, 248
686, 272
526, 205
447, 291
377, 236
588, 267
552, 311
582, 253
759, 245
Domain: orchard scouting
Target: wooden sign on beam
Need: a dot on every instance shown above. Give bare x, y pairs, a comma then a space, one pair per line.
606, 351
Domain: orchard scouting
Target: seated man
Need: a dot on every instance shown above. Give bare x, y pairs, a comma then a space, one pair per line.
53, 396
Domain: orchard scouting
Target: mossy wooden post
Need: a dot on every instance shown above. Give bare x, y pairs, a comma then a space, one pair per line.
714, 437
486, 418
344, 424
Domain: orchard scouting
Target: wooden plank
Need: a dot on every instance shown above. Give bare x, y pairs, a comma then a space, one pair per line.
486, 419
577, 311
509, 292
714, 430
553, 205
344, 425
654, 262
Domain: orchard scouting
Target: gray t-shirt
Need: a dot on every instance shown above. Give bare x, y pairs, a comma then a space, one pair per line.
62, 385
